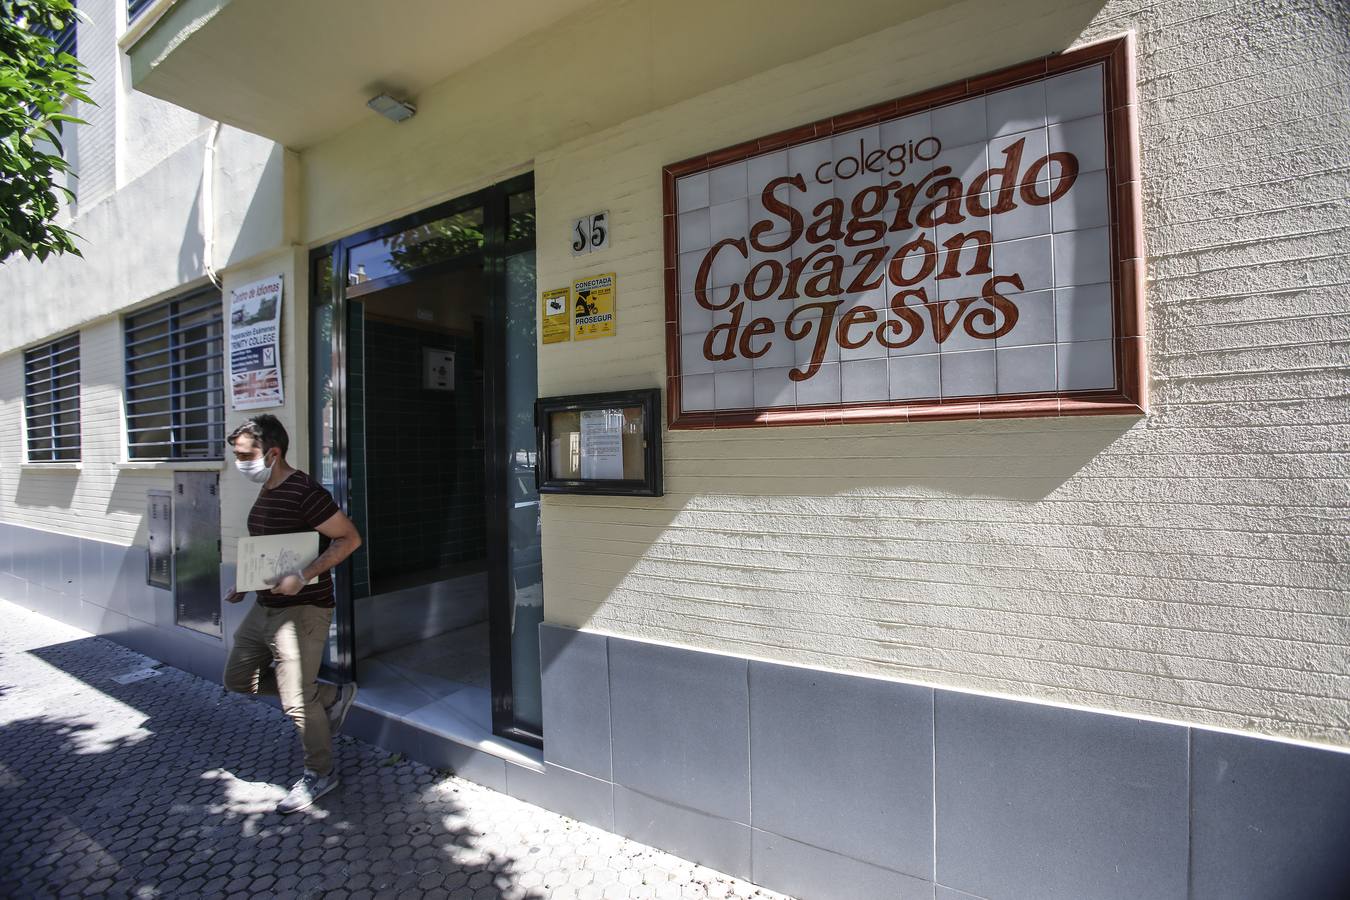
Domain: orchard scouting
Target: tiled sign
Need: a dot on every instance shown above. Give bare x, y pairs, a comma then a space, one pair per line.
972, 251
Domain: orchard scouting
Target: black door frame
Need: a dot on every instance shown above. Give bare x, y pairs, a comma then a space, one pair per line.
496, 249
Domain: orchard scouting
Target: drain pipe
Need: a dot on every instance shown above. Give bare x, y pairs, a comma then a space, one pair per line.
209, 204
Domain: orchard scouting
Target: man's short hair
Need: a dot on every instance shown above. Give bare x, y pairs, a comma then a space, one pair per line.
266, 431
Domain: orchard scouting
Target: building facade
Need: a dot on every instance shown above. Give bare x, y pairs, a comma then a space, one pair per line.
1000, 543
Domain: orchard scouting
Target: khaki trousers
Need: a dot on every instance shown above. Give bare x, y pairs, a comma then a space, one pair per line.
292, 637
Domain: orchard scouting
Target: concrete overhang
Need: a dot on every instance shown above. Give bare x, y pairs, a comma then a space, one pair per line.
299, 71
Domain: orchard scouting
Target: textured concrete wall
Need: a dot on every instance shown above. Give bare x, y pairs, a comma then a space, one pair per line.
139, 211
104, 498
144, 235
1191, 565
97, 501
148, 239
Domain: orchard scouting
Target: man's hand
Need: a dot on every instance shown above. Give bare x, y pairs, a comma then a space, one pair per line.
233, 596
287, 585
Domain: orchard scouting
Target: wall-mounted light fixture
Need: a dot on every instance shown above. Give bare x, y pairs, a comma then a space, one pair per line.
392, 109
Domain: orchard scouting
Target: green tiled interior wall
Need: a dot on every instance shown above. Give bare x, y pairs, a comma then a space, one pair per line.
424, 453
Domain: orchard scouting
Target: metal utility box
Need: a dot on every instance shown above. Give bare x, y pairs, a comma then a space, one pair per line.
196, 551
159, 524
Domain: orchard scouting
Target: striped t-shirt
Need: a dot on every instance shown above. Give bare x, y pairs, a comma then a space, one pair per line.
297, 504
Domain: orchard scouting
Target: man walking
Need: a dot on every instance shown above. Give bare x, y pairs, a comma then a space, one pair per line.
288, 626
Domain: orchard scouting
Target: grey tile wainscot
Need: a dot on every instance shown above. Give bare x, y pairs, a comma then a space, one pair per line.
466, 762
1058, 804
575, 666
844, 763
941, 892
679, 724
1269, 819
809, 873
6, 549
582, 797
386, 733
708, 840
14, 589
94, 587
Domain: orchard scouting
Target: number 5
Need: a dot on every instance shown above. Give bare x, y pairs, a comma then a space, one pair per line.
599, 232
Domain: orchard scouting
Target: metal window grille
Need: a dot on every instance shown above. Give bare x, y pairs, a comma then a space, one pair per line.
175, 379
135, 8
65, 37
51, 400
66, 42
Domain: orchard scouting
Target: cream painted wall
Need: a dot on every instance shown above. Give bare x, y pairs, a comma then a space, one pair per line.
614, 60
144, 235
148, 239
100, 500
140, 214
128, 133
1192, 565
104, 498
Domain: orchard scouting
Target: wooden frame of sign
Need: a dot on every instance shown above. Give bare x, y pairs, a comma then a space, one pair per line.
864, 269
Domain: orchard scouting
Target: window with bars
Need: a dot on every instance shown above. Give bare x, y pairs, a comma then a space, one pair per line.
51, 400
65, 38
135, 8
175, 379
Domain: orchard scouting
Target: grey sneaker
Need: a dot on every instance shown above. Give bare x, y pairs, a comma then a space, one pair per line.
309, 788
337, 712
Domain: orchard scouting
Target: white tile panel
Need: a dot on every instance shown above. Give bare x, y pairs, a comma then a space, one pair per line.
1016, 109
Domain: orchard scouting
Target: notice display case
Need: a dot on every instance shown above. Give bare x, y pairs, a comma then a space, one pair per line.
600, 444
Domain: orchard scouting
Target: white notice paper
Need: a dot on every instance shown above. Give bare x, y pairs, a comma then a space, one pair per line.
261, 558
602, 443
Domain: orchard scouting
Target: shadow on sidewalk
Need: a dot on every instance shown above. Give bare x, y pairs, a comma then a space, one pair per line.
165, 786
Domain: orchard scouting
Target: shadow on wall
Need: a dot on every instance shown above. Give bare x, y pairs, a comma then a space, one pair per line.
753, 498
264, 225
754, 517
192, 250
128, 497
179, 801
262, 228
101, 588
39, 490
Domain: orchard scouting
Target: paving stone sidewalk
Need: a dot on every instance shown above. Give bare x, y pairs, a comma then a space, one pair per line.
164, 787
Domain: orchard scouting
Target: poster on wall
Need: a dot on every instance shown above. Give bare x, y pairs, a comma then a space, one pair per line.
556, 317
970, 251
255, 345
594, 313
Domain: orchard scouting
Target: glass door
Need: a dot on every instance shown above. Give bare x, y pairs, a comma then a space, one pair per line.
475, 258
517, 708
328, 458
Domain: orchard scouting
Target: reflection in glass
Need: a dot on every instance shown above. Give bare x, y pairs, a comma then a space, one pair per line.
520, 215
570, 445
322, 424
525, 557
433, 242
322, 371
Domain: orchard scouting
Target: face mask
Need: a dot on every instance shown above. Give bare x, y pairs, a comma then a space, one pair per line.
255, 470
